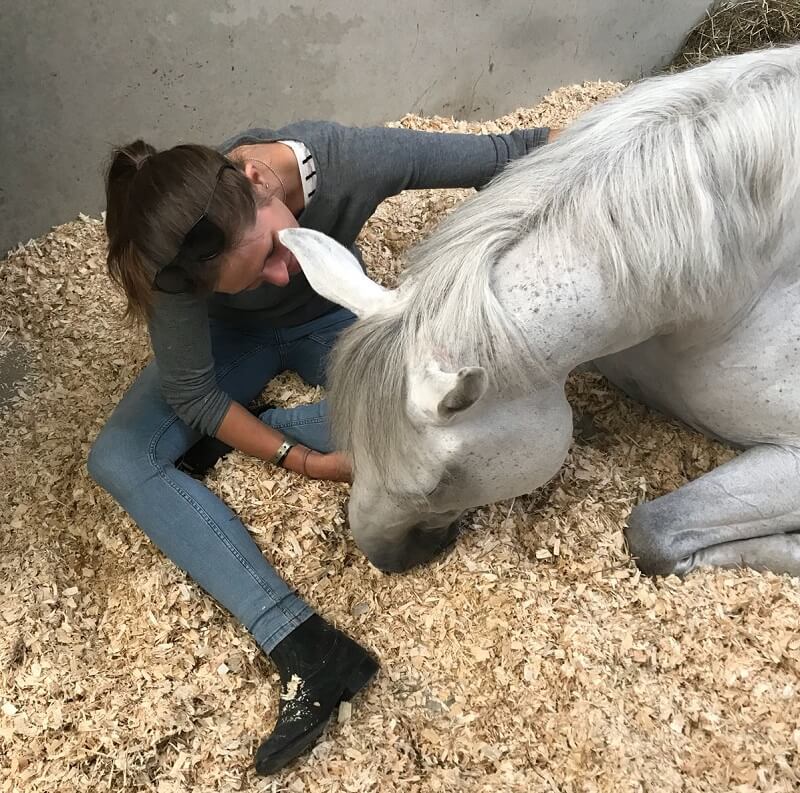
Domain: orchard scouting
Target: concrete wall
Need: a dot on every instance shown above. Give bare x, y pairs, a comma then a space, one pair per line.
81, 75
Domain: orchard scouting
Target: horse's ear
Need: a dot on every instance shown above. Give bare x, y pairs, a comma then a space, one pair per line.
469, 385
334, 272
440, 396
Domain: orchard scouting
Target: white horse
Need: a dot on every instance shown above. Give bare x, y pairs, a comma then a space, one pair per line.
658, 237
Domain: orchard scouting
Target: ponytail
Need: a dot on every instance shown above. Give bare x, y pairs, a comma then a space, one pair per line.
124, 263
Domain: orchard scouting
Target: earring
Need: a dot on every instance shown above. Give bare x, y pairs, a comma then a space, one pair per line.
274, 173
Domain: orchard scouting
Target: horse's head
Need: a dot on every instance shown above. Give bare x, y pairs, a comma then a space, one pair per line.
429, 440
462, 446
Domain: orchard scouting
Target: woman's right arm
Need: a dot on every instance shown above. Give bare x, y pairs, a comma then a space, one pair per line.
242, 430
181, 340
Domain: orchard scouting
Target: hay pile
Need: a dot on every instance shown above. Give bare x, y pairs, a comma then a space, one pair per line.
733, 26
533, 658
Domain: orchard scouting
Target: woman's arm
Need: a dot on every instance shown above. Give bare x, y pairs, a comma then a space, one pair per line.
181, 340
242, 430
390, 160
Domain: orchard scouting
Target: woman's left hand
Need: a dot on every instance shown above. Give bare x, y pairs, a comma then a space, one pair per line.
333, 467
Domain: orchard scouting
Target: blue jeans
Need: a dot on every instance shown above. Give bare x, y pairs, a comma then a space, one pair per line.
134, 458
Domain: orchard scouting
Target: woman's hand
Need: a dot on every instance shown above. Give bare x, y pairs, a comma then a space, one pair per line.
246, 433
334, 467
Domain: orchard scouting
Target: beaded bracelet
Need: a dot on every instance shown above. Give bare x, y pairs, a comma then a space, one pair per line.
303, 465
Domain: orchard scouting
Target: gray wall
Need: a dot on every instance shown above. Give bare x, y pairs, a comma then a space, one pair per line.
81, 75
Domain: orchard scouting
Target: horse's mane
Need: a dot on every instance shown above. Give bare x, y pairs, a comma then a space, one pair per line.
676, 188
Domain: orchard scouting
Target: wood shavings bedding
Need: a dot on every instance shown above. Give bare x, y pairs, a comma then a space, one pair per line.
533, 657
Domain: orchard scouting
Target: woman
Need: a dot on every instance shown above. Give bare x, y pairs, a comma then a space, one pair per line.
193, 243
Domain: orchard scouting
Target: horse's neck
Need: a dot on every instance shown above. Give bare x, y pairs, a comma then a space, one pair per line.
569, 309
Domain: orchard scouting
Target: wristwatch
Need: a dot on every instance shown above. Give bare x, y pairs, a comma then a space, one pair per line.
283, 450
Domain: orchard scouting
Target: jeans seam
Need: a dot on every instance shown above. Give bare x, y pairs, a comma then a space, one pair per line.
283, 347
322, 342
300, 423
210, 522
295, 620
315, 336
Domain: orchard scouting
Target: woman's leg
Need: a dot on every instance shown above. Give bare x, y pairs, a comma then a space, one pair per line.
307, 348
133, 458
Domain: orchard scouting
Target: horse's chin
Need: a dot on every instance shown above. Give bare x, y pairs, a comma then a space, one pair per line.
423, 546
394, 547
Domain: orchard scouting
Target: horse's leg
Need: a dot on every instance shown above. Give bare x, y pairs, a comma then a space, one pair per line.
779, 553
743, 513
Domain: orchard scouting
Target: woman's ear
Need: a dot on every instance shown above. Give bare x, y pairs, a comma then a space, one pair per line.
254, 173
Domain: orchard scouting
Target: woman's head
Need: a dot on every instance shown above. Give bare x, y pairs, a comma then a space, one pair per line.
188, 210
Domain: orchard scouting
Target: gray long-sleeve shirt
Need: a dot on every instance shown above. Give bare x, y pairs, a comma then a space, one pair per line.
356, 170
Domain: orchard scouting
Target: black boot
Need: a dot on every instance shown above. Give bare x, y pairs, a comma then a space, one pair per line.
203, 456
319, 668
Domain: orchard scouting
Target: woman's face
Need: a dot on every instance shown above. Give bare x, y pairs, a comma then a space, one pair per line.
260, 258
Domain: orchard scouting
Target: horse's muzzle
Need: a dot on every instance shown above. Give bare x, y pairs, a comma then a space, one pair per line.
419, 546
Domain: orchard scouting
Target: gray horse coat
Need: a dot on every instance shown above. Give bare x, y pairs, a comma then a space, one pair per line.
659, 236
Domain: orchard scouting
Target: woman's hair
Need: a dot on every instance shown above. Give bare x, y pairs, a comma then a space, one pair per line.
152, 200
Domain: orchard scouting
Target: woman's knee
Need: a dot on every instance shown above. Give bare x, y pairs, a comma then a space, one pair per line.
106, 459
119, 461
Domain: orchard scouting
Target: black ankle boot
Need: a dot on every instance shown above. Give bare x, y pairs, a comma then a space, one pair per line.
203, 456
319, 668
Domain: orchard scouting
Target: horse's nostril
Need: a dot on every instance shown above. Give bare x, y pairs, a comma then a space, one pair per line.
443, 538
453, 530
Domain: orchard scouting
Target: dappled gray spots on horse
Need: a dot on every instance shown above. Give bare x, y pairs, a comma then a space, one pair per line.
657, 237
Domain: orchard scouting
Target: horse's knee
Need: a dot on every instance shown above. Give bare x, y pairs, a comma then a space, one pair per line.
650, 542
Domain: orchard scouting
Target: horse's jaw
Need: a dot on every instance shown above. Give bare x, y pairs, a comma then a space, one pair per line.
482, 457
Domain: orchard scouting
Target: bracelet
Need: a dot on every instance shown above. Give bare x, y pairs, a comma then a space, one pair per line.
283, 450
